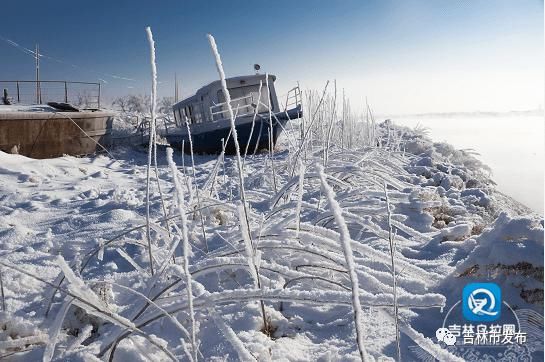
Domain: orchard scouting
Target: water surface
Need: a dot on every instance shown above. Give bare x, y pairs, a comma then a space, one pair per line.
512, 144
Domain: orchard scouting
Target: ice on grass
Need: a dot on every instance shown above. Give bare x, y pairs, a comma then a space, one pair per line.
320, 246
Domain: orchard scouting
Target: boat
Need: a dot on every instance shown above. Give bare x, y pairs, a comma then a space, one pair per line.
259, 117
52, 129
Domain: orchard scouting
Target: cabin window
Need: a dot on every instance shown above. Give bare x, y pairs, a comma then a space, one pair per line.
187, 111
264, 103
243, 97
197, 114
182, 114
177, 117
220, 112
192, 113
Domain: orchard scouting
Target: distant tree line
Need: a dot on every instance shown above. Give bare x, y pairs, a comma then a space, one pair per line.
142, 104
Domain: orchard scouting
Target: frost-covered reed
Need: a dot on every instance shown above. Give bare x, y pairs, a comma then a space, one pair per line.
197, 193
299, 251
391, 242
253, 122
244, 219
186, 251
346, 241
227, 95
2, 291
300, 191
151, 141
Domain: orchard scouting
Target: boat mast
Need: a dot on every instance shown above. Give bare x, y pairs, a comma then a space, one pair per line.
175, 88
38, 92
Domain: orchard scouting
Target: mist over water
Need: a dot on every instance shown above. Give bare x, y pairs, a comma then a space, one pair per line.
511, 144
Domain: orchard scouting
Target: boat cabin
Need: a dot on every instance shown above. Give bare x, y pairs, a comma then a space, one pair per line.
208, 103
203, 122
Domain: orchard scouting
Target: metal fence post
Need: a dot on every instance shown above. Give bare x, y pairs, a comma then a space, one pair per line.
55, 97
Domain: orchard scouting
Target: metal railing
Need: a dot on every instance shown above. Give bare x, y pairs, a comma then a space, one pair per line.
80, 94
293, 98
235, 104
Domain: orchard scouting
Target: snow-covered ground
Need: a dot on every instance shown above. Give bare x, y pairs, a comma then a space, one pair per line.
511, 144
80, 223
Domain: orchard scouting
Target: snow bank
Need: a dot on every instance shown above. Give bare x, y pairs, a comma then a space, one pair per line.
450, 225
510, 240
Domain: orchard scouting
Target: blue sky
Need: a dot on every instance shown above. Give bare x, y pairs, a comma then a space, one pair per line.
404, 56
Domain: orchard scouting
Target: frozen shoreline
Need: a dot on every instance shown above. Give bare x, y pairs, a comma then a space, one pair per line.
446, 216
511, 144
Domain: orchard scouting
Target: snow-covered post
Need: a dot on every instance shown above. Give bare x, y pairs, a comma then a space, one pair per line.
349, 257
151, 139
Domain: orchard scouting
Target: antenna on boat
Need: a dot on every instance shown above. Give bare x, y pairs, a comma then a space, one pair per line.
257, 67
38, 93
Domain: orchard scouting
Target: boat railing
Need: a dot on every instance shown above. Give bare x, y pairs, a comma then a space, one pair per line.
242, 109
293, 98
142, 126
80, 94
246, 105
